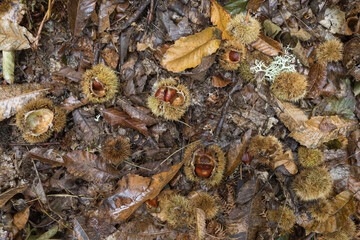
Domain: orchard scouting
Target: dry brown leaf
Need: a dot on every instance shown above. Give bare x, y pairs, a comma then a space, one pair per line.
14, 36
320, 129
119, 118
89, 130
300, 53
220, 18
48, 156
292, 116
316, 80
187, 52
267, 45
236, 152
133, 191
253, 5
89, 166
287, 159
354, 186
13, 97
106, 8
6, 196
200, 223
219, 82
68, 73
72, 103
21, 218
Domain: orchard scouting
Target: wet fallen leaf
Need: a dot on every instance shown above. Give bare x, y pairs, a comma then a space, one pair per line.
267, 45
89, 166
106, 8
21, 218
133, 191
220, 18
119, 118
316, 80
89, 130
14, 97
187, 52
79, 11
14, 36
236, 152
321, 129
48, 156
68, 73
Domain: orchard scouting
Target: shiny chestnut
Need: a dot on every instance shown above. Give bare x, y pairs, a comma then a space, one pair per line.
170, 95
234, 56
204, 162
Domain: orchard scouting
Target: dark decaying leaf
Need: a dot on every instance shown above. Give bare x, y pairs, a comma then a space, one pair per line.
79, 11
316, 80
136, 113
236, 6
119, 118
267, 45
69, 73
47, 155
89, 166
133, 191
236, 151
89, 131
13, 97
218, 81
6, 196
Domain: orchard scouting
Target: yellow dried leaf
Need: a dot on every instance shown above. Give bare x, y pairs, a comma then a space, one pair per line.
320, 129
187, 52
220, 18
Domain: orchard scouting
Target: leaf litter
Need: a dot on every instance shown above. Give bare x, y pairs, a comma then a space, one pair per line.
66, 186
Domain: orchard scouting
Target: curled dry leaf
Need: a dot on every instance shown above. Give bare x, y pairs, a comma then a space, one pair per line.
187, 52
119, 118
287, 159
316, 80
220, 18
79, 11
89, 166
6, 196
267, 45
133, 191
321, 129
14, 97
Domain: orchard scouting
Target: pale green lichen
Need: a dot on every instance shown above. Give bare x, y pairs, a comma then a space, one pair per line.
284, 63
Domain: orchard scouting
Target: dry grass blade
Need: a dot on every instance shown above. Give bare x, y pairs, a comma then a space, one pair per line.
89, 167
14, 97
187, 52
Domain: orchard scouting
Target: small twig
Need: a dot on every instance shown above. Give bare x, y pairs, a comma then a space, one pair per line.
225, 109
151, 12
46, 17
135, 16
68, 195
34, 144
133, 164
